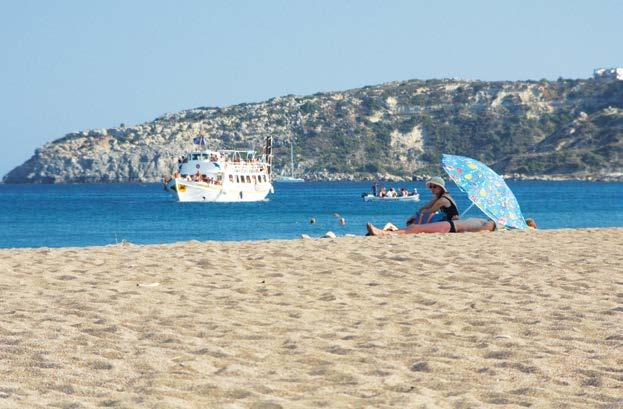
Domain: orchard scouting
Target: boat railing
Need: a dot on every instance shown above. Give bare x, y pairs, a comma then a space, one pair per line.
245, 167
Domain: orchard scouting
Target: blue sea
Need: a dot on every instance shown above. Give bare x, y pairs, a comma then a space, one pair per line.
87, 215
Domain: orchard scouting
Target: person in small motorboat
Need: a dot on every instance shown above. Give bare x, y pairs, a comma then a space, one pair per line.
441, 201
471, 225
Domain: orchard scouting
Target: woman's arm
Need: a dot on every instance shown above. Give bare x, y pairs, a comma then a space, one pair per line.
429, 209
428, 205
416, 218
437, 204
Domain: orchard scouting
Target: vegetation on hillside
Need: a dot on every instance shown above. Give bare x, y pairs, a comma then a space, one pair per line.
564, 128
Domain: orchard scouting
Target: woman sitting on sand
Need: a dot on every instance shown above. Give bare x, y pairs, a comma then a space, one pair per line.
471, 225
442, 202
450, 226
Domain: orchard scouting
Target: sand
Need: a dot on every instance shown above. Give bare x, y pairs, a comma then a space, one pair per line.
503, 319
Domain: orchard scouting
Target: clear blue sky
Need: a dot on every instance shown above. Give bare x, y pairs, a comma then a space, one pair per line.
72, 65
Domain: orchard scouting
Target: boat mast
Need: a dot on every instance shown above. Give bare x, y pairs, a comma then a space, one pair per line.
292, 158
268, 152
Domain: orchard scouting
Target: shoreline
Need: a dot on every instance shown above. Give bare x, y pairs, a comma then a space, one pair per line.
511, 318
126, 243
416, 178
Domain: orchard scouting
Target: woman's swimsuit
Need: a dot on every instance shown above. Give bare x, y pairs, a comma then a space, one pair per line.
452, 227
450, 212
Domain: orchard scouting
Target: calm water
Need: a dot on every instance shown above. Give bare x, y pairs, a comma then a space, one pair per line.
84, 215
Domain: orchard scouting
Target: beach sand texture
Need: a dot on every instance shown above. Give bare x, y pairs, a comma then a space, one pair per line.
502, 319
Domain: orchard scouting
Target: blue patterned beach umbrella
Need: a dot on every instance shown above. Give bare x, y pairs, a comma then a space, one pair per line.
486, 189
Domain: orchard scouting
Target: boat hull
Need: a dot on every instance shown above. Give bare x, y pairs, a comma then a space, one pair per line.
186, 191
289, 179
372, 198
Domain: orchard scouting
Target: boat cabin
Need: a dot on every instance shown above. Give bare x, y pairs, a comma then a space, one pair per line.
216, 164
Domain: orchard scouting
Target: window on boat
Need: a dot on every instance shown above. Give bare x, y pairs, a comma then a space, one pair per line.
194, 156
231, 178
248, 179
253, 178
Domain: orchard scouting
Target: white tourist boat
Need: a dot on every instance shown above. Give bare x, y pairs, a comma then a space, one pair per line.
222, 176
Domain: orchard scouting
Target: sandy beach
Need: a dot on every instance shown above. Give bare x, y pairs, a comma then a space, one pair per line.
503, 319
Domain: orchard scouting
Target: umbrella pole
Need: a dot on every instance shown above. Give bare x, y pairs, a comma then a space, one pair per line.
466, 210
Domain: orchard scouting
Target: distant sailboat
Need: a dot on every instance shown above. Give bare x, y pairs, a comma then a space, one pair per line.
291, 178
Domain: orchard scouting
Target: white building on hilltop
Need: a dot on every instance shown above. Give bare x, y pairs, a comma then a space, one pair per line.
608, 73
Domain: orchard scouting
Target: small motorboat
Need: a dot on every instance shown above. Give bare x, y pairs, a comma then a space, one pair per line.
369, 197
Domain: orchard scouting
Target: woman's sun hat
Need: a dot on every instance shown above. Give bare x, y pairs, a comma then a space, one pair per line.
437, 181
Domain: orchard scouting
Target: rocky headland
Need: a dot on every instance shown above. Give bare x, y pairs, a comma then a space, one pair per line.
564, 129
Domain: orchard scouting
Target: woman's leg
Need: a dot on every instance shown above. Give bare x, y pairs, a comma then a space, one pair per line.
439, 227
435, 227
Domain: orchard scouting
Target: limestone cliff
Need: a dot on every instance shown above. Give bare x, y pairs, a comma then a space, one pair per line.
537, 129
